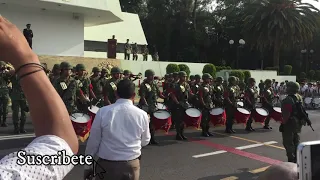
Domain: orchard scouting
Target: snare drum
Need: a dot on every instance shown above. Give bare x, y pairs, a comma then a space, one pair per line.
307, 100
316, 101
193, 117
218, 116
276, 114
239, 103
242, 115
81, 123
161, 120
260, 115
161, 106
93, 111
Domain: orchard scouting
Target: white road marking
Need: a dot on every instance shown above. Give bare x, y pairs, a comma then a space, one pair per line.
22, 136
239, 148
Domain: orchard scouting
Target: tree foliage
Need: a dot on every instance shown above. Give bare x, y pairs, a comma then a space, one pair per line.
171, 68
210, 69
185, 68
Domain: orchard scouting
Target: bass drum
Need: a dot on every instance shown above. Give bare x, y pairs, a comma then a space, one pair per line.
162, 120
218, 117
193, 117
242, 115
82, 124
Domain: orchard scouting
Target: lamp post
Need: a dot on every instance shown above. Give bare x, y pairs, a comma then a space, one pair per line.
241, 44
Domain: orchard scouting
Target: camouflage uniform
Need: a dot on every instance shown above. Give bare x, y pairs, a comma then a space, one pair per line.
97, 86
110, 88
4, 93
195, 86
267, 98
84, 84
53, 77
149, 93
68, 89
205, 98
292, 127
218, 92
230, 103
251, 95
181, 92
19, 103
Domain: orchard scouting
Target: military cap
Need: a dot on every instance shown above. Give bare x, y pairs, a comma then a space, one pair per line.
250, 80
175, 74
232, 79
182, 74
115, 70
65, 65
149, 72
206, 76
191, 77
292, 87
56, 66
80, 67
267, 81
219, 79
96, 69
197, 76
126, 72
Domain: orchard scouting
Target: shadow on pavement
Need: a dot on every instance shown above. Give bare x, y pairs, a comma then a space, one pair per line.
245, 175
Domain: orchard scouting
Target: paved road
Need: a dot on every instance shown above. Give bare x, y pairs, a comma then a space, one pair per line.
240, 156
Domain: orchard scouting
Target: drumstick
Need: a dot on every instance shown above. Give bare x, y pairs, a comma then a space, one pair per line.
97, 102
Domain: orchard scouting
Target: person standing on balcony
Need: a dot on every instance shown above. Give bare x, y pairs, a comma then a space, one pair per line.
127, 50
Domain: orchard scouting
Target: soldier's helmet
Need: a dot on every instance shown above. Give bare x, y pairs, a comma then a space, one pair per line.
206, 76
149, 72
219, 79
182, 74
115, 70
65, 66
126, 72
80, 67
251, 80
268, 82
175, 74
96, 69
232, 79
56, 66
104, 70
197, 76
191, 77
292, 87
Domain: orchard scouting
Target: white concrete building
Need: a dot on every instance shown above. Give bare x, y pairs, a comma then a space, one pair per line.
61, 27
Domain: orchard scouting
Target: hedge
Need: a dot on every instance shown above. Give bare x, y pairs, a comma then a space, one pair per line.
247, 75
219, 68
171, 68
184, 67
287, 69
238, 73
209, 68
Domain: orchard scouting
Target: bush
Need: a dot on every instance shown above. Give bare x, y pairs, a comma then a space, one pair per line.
311, 74
220, 68
287, 69
171, 68
209, 68
303, 75
238, 73
317, 75
184, 67
228, 67
247, 75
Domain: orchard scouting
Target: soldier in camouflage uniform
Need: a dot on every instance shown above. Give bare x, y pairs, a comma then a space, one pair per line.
180, 96
195, 89
19, 103
175, 76
206, 103
291, 125
97, 86
191, 80
104, 76
84, 83
149, 93
267, 98
54, 75
67, 87
230, 103
250, 99
110, 89
4, 93
218, 92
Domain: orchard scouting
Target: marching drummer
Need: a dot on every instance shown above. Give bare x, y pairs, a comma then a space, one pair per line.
206, 103
218, 92
180, 96
267, 98
250, 99
230, 103
110, 88
195, 89
191, 80
149, 93
97, 86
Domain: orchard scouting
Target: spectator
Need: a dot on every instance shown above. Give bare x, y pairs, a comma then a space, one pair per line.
50, 118
117, 135
283, 171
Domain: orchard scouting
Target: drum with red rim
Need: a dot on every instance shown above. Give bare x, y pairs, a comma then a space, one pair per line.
193, 117
93, 111
260, 115
242, 115
218, 116
161, 120
276, 114
81, 123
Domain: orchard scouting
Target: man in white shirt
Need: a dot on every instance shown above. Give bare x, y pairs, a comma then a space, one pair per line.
117, 135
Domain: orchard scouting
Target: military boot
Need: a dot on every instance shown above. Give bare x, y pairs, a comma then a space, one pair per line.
208, 132
152, 140
22, 130
16, 128
182, 135
204, 132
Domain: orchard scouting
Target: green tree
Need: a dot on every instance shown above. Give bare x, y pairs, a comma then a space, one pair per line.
184, 67
209, 68
171, 68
